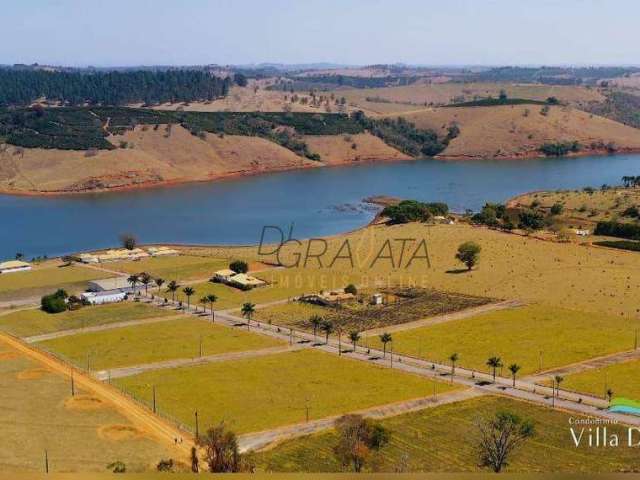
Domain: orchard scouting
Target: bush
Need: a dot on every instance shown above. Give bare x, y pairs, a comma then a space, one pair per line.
55, 302
469, 253
556, 209
414, 211
239, 266
351, 288
530, 219
620, 244
559, 149
617, 229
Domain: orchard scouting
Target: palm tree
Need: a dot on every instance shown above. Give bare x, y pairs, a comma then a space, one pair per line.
316, 322
494, 363
328, 328
248, 309
354, 336
203, 302
558, 379
173, 288
385, 338
159, 283
145, 279
133, 280
211, 298
453, 359
188, 291
514, 368
610, 394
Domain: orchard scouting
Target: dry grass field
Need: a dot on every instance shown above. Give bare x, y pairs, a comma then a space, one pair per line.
179, 268
81, 434
622, 378
535, 337
269, 391
340, 150
34, 321
173, 339
44, 278
390, 100
519, 130
442, 440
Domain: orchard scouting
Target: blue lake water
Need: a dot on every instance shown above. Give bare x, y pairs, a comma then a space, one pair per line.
316, 202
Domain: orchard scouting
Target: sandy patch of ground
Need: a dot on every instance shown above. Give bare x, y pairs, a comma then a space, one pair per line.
84, 403
32, 373
4, 356
119, 433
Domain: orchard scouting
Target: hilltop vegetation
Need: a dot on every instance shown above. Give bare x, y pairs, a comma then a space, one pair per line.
22, 87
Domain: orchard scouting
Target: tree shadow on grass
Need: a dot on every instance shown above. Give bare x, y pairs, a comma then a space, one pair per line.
457, 271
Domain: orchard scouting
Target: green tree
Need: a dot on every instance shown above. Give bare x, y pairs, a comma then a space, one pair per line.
499, 437
211, 298
145, 279
128, 241
514, 368
173, 288
469, 254
351, 288
453, 358
222, 453
328, 328
239, 266
188, 291
248, 309
354, 336
357, 437
159, 283
316, 322
494, 363
385, 338
133, 281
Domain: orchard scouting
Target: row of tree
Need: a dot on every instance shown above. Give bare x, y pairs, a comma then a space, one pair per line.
22, 87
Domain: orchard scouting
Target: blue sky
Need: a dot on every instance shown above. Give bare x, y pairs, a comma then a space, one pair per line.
444, 32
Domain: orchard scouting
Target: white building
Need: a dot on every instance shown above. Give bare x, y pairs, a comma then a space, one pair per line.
14, 266
108, 284
99, 298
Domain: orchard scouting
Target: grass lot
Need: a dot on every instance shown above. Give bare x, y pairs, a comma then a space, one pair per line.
518, 336
34, 322
45, 278
154, 342
261, 393
400, 306
441, 440
36, 413
181, 267
622, 378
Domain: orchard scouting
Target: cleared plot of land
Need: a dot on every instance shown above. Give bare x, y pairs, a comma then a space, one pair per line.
535, 337
520, 130
400, 99
260, 393
181, 267
584, 209
45, 278
81, 434
622, 378
401, 305
141, 344
442, 440
34, 322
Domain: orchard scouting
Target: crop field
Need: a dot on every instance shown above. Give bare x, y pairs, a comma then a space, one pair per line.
180, 267
535, 337
442, 439
401, 305
34, 322
154, 342
270, 391
83, 433
46, 277
622, 378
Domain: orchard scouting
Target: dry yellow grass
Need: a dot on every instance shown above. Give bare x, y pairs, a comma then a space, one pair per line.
339, 150
152, 157
520, 130
402, 99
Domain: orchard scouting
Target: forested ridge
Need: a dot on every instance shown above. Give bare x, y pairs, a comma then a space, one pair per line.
23, 87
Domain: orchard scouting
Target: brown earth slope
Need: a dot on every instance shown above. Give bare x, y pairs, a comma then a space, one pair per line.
169, 155
519, 131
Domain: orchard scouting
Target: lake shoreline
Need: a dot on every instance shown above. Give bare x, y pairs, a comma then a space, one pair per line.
533, 155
